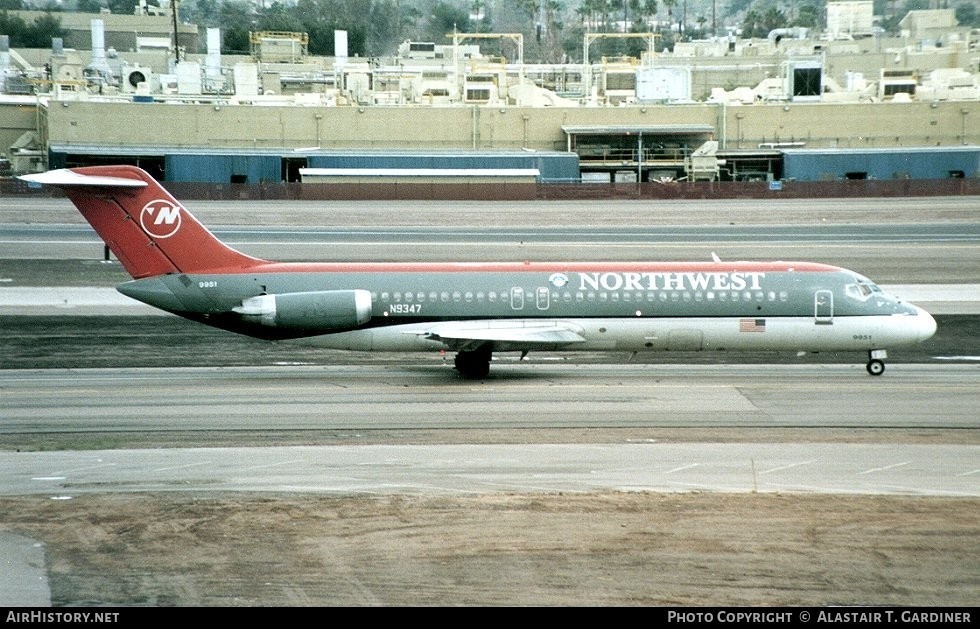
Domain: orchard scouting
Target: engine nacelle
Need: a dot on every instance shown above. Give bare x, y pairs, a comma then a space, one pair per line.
318, 311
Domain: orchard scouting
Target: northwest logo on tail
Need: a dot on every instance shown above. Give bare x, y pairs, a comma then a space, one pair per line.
160, 218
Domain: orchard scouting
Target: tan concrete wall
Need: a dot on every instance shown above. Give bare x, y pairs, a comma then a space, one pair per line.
855, 126
819, 125
15, 120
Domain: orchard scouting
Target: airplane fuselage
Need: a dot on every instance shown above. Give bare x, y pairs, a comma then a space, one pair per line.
630, 307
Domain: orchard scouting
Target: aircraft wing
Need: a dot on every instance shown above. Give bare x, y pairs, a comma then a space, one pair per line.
504, 335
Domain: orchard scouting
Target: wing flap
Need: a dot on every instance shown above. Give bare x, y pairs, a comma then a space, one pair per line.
508, 335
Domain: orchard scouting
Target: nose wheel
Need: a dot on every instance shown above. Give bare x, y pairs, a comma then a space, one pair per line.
876, 363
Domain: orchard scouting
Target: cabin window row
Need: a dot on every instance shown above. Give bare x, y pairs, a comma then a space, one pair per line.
600, 297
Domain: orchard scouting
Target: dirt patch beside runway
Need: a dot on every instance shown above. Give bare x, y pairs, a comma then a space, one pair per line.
549, 549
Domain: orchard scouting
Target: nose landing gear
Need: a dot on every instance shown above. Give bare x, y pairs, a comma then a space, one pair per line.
876, 362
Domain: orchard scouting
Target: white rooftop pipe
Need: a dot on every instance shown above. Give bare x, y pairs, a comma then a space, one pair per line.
212, 63
98, 70
4, 60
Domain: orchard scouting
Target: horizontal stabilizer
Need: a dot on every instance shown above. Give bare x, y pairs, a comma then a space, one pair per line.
65, 177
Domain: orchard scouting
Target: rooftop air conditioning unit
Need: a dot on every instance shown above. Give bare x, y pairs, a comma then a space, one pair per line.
132, 77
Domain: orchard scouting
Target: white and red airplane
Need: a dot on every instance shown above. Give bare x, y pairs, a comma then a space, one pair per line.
476, 309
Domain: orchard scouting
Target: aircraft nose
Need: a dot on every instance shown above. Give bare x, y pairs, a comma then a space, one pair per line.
926, 324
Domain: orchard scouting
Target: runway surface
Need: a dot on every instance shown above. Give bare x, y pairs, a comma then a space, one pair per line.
517, 396
903, 469
411, 429
928, 250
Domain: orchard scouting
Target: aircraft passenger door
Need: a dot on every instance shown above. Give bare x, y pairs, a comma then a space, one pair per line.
517, 298
543, 298
823, 307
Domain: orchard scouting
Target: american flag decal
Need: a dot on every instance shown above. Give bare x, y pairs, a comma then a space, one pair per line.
751, 325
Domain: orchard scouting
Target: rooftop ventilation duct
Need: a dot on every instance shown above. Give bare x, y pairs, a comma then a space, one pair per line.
98, 71
212, 65
340, 48
797, 32
4, 59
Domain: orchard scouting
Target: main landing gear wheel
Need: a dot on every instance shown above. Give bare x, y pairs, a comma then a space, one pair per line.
474, 364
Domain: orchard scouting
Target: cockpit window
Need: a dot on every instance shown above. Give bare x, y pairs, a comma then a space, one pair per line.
861, 289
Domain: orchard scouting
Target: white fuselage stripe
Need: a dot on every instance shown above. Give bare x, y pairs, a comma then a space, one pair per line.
683, 334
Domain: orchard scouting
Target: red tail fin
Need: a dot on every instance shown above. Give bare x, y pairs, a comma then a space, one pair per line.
149, 231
